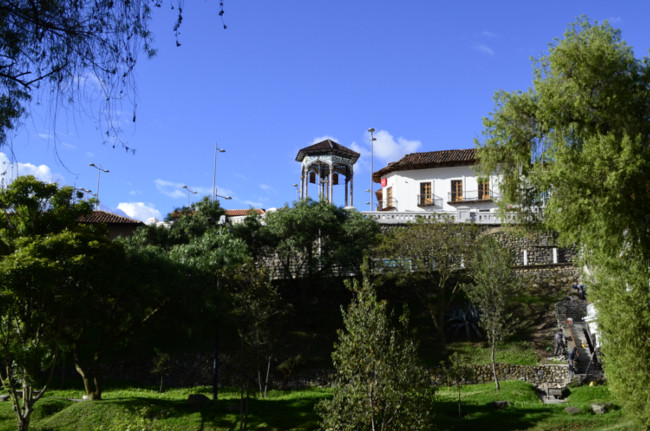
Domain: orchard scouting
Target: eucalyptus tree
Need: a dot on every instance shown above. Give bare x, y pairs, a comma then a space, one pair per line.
429, 257
493, 291
578, 142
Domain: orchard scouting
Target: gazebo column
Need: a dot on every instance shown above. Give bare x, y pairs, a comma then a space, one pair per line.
331, 184
302, 183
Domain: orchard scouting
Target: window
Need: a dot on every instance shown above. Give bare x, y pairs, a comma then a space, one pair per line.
389, 198
484, 190
425, 194
456, 190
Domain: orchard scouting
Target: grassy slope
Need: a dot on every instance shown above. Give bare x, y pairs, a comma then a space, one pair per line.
145, 410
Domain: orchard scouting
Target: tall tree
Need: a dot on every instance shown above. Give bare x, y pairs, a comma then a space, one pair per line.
115, 294
313, 238
493, 292
579, 141
42, 248
206, 252
429, 256
379, 383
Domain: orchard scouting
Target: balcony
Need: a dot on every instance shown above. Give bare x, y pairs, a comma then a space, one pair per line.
471, 196
387, 204
427, 200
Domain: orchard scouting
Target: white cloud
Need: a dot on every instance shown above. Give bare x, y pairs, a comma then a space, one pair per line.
266, 187
10, 170
169, 188
252, 204
388, 149
176, 190
484, 49
489, 34
322, 138
139, 210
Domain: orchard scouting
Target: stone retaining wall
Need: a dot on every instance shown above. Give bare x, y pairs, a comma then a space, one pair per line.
549, 375
550, 276
533, 249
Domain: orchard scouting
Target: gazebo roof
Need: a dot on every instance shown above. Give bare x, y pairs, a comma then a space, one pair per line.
328, 147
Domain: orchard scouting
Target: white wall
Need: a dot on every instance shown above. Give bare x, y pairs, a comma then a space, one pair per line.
406, 188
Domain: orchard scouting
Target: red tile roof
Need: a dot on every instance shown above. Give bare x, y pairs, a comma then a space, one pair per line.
431, 159
328, 147
99, 216
235, 213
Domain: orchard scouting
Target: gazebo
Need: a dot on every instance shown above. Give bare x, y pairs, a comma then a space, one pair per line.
323, 164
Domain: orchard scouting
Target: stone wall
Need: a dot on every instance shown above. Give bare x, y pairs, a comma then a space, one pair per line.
549, 375
533, 249
550, 276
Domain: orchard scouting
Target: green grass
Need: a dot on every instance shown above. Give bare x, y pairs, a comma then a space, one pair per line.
140, 409
526, 411
516, 352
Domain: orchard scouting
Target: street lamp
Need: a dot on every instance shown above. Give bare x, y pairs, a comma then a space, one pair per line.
224, 197
214, 176
297, 192
99, 171
188, 194
84, 191
372, 168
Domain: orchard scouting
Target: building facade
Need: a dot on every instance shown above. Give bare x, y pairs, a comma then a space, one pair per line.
440, 182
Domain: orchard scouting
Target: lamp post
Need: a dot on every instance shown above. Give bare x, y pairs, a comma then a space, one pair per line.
297, 192
214, 176
188, 194
224, 197
84, 191
372, 168
99, 171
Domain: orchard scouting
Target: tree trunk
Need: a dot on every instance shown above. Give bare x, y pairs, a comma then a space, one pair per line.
494, 366
91, 378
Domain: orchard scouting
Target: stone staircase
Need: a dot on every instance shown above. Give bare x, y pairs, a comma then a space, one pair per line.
570, 318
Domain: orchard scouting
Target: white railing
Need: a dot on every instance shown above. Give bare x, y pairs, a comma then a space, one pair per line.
462, 216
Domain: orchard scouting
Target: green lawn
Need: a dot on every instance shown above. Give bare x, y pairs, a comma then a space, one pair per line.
135, 409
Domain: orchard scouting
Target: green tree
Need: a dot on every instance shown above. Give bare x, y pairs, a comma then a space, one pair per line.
70, 277
313, 238
579, 141
116, 294
42, 252
429, 256
457, 372
256, 314
207, 254
379, 383
493, 291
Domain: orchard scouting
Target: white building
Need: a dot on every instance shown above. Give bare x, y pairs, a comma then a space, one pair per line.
436, 182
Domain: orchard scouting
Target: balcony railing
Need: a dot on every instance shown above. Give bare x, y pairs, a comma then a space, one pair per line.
429, 200
386, 204
462, 216
472, 196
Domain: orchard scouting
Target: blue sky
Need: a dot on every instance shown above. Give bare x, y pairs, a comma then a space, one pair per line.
286, 74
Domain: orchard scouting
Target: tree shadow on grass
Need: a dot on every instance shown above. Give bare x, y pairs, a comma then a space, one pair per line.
487, 418
291, 414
